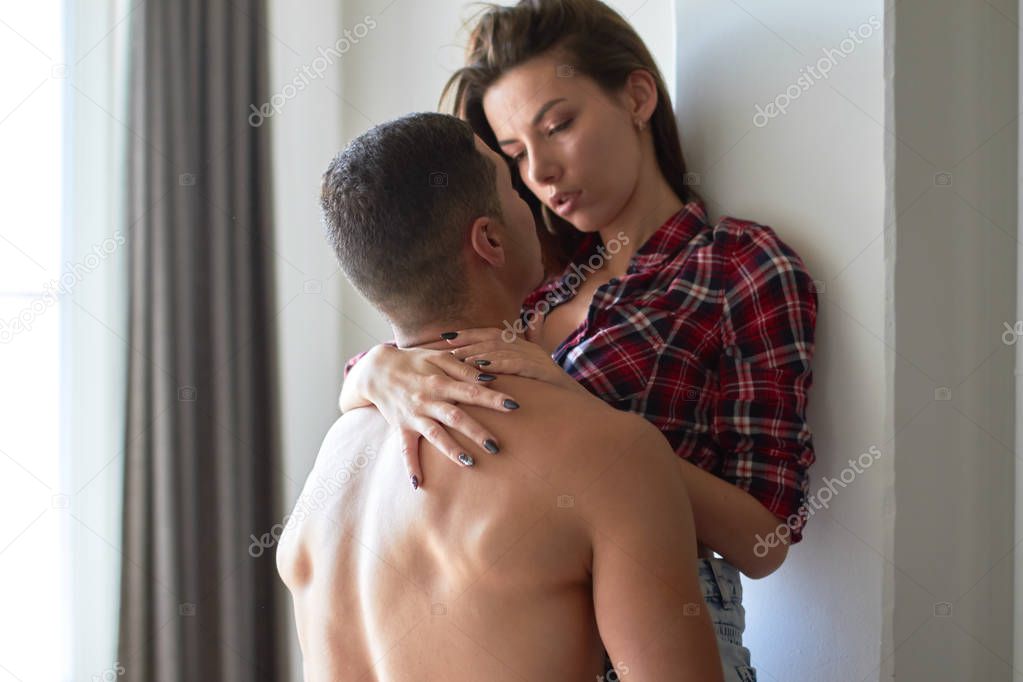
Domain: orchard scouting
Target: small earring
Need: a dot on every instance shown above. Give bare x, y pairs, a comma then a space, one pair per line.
640, 124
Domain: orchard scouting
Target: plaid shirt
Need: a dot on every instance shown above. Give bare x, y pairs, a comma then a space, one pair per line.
710, 336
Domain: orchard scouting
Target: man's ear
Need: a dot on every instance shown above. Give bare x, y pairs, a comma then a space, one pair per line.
486, 240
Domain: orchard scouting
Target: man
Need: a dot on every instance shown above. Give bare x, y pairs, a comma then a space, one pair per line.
579, 533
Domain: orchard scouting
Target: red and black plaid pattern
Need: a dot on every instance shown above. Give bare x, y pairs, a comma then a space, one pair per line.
710, 336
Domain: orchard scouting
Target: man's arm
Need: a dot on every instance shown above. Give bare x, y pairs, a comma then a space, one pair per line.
646, 592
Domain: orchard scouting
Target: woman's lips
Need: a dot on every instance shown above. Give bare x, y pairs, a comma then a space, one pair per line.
568, 203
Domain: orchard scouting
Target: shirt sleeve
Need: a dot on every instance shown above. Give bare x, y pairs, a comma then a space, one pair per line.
768, 322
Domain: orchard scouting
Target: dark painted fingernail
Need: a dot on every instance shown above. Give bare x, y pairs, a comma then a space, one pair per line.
481, 363
511, 404
466, 459
449, 335
491, 446
485, 377
415, 482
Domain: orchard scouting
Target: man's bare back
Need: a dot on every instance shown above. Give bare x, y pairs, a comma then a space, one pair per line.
517, 568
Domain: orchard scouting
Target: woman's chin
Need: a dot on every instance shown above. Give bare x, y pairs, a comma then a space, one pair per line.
583, 223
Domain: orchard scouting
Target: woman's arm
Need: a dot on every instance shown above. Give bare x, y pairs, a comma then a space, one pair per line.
764, 377
733, 523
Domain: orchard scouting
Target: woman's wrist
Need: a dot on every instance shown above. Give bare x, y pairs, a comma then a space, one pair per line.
369, 382
359, 387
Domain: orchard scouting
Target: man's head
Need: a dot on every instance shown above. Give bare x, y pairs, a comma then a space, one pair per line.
426, 224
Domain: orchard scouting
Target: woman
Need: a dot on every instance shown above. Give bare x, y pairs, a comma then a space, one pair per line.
706, 330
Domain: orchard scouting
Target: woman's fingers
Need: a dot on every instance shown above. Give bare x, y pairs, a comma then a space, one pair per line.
464, 337
410, 453
457, 419
455, 368
478, 349
504, 363
467, 385
434, 432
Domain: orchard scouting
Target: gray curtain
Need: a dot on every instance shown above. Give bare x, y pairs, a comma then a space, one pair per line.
202, 441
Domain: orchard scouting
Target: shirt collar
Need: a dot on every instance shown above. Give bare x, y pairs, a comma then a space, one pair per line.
670, 238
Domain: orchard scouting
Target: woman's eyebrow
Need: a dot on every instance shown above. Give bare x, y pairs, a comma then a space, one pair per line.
536, 119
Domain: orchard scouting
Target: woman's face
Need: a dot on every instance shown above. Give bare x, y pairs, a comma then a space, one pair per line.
575, 147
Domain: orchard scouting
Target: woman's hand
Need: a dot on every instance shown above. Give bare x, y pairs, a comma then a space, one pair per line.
415, 389
491, 350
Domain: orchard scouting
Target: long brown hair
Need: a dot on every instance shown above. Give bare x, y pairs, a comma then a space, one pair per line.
598, 43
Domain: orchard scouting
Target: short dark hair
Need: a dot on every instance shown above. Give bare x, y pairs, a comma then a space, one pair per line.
396, 204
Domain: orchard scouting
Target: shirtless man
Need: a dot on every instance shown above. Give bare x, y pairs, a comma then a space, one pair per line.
578, 533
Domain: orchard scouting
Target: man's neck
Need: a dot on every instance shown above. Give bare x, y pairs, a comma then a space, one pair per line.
429, 336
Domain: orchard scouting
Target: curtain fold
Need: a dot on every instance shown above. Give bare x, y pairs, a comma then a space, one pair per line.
202, 438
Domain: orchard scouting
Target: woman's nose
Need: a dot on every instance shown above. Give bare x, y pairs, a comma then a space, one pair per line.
543, 170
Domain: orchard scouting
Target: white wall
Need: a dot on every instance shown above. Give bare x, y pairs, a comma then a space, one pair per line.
816, 174
895, 178
306, 133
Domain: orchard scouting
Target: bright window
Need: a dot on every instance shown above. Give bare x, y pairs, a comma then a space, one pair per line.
33, 509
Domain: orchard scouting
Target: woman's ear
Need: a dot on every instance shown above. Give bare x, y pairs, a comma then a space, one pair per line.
485, 239
641, 95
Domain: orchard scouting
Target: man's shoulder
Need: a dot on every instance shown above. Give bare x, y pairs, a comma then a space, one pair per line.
571, 410
352, 444
576, 429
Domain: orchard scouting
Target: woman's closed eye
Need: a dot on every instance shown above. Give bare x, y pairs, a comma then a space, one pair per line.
558, 128
550, 131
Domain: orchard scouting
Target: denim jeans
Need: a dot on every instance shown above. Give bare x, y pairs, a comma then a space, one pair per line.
722, 591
